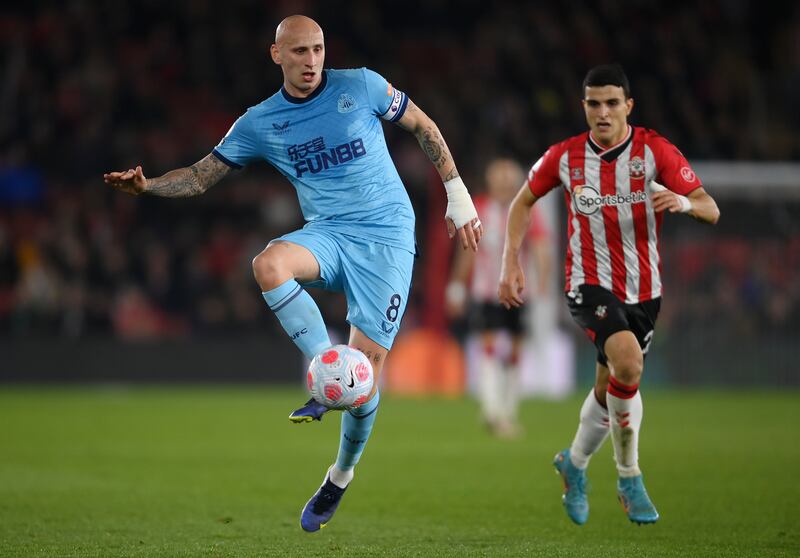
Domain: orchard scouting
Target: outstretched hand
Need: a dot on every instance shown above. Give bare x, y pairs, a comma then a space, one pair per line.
131, 181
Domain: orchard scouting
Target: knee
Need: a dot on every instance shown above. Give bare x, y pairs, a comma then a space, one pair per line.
269, 270
628, 369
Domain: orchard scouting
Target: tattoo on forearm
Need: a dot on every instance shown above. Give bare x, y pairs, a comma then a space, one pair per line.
451, 175
189, 181
430, 140
434, 146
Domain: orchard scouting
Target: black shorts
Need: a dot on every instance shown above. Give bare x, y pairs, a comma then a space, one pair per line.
488, 316
601, 314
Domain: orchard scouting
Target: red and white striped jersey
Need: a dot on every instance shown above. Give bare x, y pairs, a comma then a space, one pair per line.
489, 258
613, 231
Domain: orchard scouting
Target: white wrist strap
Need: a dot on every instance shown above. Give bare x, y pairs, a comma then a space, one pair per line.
686, 205
460, 208
454, 184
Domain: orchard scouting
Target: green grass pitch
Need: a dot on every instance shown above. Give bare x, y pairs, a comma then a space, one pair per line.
219, 471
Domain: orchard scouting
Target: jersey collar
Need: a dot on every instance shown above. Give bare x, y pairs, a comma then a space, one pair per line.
611, 153
314, 94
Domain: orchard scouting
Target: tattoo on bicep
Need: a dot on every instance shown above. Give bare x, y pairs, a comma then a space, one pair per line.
409, 121
411, 107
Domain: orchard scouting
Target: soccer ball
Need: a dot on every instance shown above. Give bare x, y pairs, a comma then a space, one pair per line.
340, 377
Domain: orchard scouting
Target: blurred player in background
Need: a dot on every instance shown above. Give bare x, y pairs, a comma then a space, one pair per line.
322, 131
613, 280
472, 291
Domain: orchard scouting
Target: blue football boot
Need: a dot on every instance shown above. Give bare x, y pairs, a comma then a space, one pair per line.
320, 508
635, 501
574, 498
309, 412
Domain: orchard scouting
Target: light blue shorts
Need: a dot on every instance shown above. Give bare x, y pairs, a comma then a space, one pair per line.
375, 278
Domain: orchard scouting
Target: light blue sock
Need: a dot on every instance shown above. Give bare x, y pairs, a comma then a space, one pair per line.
356, 426
299, 316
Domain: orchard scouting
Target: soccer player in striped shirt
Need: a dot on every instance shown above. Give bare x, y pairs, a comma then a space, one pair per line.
472, 292
612, 177
323, 131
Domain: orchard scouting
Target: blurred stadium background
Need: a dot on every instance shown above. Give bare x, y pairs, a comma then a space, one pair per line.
119, 288
110, 294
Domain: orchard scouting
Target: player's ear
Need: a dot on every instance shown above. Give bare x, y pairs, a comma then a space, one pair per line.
275, 53
629, 103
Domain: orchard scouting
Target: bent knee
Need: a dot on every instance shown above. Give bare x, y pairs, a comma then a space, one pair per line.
269, 270
628, 370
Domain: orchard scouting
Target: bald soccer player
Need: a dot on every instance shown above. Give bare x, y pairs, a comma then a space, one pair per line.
322, 131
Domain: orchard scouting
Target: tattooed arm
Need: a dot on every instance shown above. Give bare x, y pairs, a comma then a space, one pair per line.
179, 183
430, 139
461, 217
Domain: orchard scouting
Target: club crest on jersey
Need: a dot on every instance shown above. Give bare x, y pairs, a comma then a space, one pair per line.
346, 103
636, 168
280, 128
576, 173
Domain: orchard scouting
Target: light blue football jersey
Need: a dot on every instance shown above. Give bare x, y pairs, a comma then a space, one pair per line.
331, 147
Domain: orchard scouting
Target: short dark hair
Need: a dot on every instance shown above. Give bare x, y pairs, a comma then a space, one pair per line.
607, 74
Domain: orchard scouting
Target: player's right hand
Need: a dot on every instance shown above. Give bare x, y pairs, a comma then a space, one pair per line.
512, 283
131, 181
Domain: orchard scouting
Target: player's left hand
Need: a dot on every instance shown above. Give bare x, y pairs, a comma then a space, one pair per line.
461, 215
667, 200
470, 234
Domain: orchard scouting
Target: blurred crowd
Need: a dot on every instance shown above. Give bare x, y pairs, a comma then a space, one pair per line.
732, 288
94, 86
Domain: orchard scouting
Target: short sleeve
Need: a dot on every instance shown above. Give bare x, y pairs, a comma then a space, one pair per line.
240, 145
543, 175
673, 170
385, 100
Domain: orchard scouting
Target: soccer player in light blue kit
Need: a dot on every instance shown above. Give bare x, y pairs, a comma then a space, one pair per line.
322, 131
